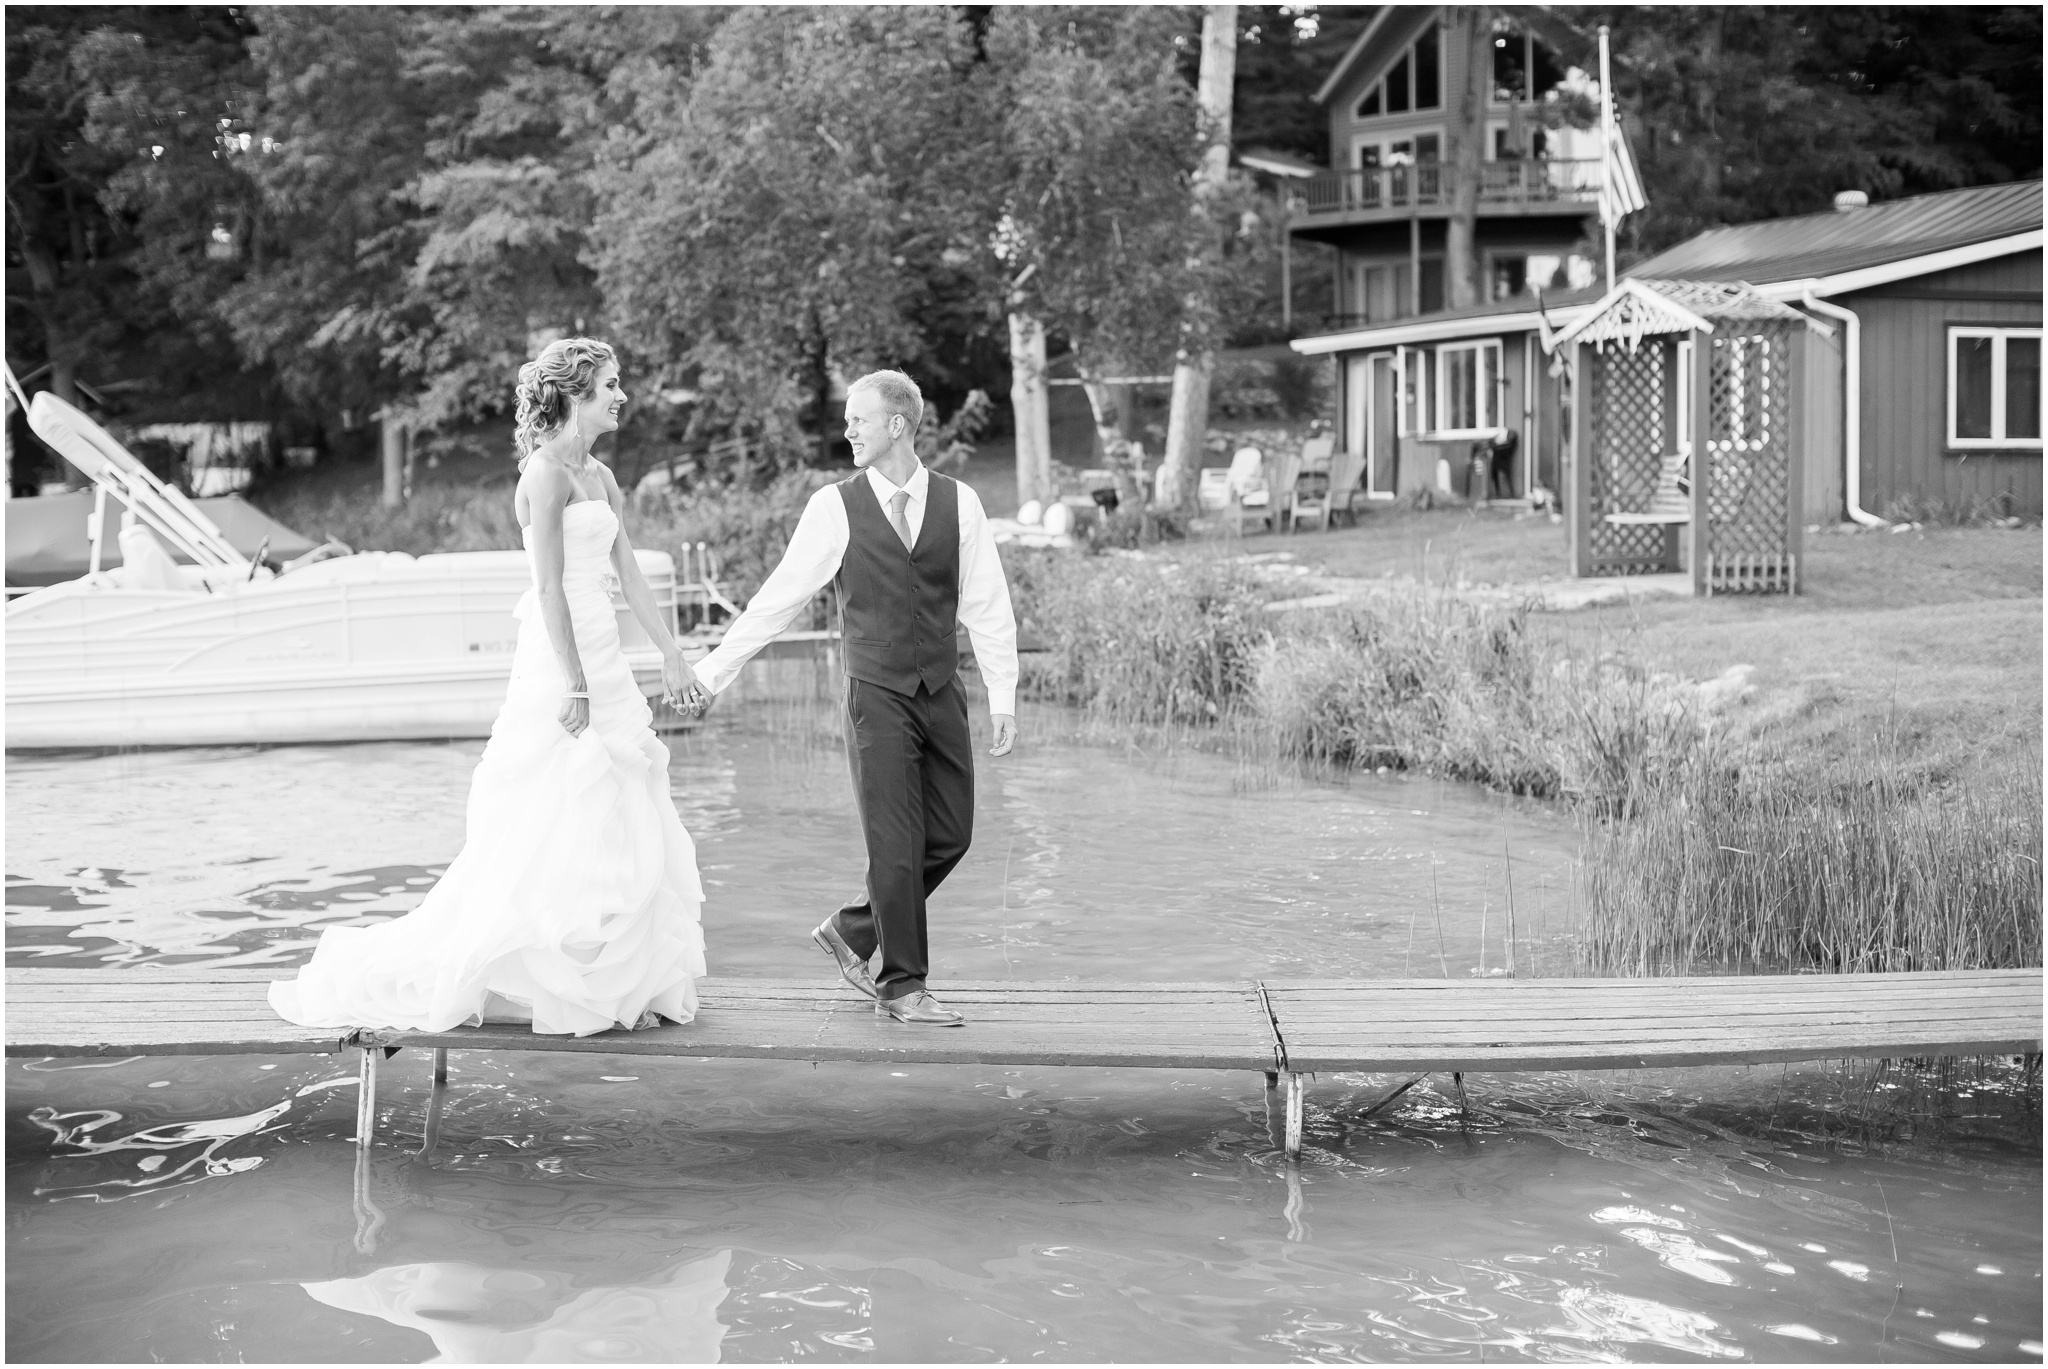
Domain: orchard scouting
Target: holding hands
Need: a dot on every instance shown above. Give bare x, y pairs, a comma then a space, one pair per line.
680, 687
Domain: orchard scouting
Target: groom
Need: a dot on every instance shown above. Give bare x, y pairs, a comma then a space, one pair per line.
910, 554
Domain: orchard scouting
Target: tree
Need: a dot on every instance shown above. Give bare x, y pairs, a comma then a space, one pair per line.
1470, 31
1187, 422
77, 241
1742, 113
1094, 233
773, 220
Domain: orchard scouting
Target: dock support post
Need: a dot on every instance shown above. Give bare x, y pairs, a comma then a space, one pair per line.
366, 1098
1458, 1080
432, 1132
1295, 1092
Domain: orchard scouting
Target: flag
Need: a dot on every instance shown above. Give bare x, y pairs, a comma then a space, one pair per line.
1621, 189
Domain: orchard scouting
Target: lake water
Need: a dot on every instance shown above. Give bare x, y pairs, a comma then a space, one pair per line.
611, 1208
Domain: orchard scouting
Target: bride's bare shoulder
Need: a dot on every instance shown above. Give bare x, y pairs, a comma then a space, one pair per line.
543, 485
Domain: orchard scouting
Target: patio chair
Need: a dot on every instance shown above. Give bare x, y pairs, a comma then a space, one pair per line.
1248, 490
1345, 470
1283, 474
1312, 498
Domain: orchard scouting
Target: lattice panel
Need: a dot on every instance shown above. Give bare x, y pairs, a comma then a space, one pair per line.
1625, 408
1749, 471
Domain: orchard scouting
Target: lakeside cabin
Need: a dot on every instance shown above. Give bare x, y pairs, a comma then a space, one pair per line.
1926, 394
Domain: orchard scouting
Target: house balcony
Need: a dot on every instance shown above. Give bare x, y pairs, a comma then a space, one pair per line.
1391, 194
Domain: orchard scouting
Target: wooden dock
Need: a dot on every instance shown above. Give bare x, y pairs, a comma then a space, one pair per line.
1282, 1029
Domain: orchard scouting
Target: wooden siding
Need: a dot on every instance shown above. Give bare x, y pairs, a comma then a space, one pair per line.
1822, 497
1905, 385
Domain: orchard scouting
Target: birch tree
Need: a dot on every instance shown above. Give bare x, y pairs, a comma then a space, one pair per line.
1187, 422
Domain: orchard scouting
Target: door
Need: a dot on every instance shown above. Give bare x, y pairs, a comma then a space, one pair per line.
1382, 445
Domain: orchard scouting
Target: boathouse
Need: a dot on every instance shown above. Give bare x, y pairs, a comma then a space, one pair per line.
1926, 394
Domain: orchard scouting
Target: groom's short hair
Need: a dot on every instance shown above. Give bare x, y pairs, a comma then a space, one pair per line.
897, 390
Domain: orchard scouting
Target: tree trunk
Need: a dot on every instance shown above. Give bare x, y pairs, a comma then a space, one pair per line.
393, 440
1471, 35
1030, 408
1187, 421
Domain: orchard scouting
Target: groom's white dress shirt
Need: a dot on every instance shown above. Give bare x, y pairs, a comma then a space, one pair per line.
815, 551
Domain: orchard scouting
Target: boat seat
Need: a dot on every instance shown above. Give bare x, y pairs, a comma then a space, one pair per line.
1671, 503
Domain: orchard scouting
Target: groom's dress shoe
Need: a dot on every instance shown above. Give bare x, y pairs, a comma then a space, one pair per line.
851, 967
919, 1008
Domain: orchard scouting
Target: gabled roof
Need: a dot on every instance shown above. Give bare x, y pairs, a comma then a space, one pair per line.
1636, 309
1392, 29
1835, 243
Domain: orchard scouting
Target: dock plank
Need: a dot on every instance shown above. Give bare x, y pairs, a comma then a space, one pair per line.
1372, 1025
152, 1010
1190, 1026
1426, 1026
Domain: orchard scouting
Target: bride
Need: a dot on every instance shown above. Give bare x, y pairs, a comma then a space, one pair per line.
574, 903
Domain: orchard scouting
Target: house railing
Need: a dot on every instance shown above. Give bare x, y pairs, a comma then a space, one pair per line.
1428, 185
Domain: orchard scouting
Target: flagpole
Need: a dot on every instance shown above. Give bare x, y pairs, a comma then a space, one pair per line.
1607, 215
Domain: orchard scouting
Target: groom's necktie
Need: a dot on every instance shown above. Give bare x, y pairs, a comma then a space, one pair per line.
897, 503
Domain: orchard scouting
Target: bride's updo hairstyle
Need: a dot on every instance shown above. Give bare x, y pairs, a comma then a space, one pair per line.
564, 372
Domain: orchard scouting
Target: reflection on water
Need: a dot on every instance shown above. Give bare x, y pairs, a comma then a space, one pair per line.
476, 1315
592, 1208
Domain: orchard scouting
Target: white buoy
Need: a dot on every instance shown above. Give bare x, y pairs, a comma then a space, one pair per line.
1059, 520
1030, 513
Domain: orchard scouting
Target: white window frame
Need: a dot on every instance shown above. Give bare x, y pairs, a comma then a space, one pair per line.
1486, 383
1998, 440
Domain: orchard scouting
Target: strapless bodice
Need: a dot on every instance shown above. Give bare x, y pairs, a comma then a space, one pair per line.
586, 544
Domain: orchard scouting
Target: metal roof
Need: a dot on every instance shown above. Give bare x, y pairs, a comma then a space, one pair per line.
1834, 242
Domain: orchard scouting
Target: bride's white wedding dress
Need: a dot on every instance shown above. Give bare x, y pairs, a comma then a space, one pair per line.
574, 903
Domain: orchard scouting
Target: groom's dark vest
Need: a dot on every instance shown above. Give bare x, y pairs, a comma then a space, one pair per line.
900, 608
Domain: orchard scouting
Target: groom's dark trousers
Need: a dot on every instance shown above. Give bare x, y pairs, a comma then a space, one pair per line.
906, 722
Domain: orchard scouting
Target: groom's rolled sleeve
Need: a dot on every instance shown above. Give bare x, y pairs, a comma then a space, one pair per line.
985, 605
815, 551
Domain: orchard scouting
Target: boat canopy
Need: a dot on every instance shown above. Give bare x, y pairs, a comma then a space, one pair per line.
47, 542
160, 508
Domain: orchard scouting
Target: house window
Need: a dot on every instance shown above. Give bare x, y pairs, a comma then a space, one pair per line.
1994, 387
1432, 283
1467, 376
1397, 85
1507, 277
1428, 85
1418, 71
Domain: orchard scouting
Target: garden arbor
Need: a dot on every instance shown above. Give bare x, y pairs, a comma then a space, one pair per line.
1687, 439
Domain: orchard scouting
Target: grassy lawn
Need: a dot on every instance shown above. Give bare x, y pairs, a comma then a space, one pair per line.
1932, 636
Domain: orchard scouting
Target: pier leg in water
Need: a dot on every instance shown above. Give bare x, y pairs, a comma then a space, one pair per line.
1295, 1091
1297, 1229
366, 1099
369, 1217
432, 1132
1459, 1080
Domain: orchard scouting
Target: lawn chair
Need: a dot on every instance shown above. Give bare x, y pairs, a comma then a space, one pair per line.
1249, 491
1347, 471
1313, 498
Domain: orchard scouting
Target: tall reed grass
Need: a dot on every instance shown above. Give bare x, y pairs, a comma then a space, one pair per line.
1415, 680
1702, 854
1743, 862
